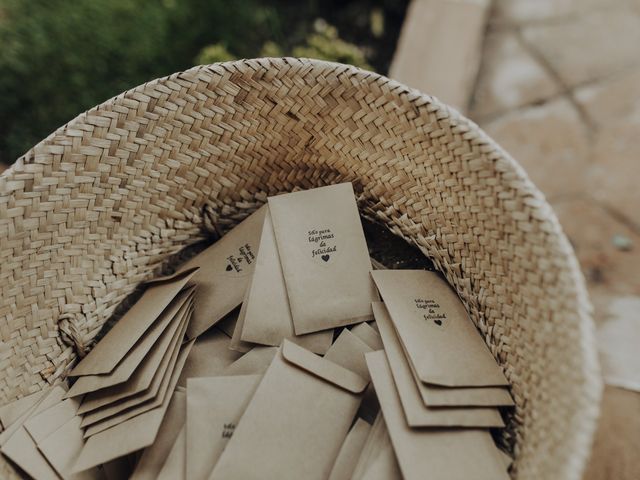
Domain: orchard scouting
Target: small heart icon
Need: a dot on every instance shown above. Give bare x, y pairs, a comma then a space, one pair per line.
438, 322
229, 268
325, 258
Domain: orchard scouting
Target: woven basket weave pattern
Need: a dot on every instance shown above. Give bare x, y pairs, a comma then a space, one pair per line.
101, 205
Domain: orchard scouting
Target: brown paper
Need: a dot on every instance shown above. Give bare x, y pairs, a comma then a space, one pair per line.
384, 466
350, 451
132, 360
444, 453
135, 434
174, 467
112, 348
267, 317
417, 414
324, 257
348, 351
214, 407
225, 270
431, 395
62, 447
166, 388
442, 343
209, 356
378, 460
368, 335
371, 448
253, 362
153, 458
48, 421
146, 381
19, 422
10, 412
296, 422
20, 448
236, 343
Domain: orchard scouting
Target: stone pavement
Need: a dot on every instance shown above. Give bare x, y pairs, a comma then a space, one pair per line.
559, 89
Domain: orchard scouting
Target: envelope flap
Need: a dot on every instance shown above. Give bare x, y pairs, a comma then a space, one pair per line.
318, 366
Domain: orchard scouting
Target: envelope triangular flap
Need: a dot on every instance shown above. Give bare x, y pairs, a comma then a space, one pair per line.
324, 369
109, 351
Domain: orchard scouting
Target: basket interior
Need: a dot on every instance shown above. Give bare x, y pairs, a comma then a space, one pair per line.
112, 198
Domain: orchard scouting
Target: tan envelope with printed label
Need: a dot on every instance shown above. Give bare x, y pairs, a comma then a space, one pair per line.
296, 421
445, 453
434, 395
440, 339
416, 412
267, 319
324, 257
225, 270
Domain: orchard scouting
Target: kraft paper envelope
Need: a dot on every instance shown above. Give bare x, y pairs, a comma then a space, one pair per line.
10, 412
431, 395
378, 460
21, 419
154, 457
295, 424
371, 447
214, 407
441, 342
368, 335
443, 453
177, 362
133, 358
225, 271
209, 356
384, 466
236, 343
174, 467
41, 425
417, 414
350, 451
112, 348
22, 450
253, 362
267, 318
135, 434
348, 352
324, 256
62, 447
146, 381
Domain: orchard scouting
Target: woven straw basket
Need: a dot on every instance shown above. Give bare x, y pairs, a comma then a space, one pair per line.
104, 203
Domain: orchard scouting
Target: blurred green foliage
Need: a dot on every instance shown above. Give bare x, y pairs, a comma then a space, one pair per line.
61, 57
